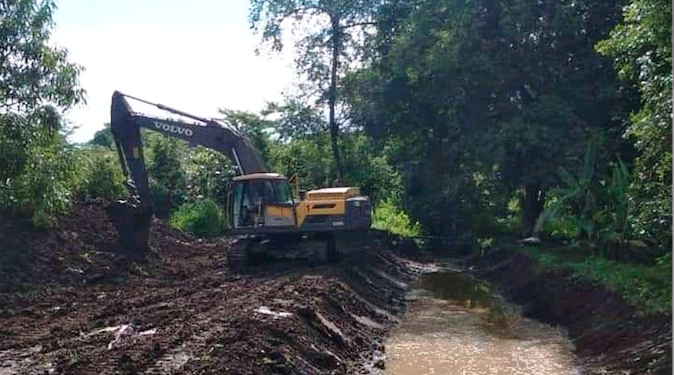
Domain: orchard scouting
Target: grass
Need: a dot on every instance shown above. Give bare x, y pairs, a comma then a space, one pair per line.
648, 287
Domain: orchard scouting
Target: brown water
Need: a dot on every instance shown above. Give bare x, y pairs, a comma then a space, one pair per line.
457, 325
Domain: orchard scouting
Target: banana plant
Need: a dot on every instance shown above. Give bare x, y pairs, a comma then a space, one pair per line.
619, 205
578, 193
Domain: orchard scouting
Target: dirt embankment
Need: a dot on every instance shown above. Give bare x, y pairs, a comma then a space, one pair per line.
70, 304
610, 337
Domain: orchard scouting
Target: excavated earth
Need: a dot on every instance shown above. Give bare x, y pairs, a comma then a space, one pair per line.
71, 302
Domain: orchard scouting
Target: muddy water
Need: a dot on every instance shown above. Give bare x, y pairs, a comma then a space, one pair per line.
457, 325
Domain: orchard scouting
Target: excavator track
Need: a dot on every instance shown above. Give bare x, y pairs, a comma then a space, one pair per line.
316, 248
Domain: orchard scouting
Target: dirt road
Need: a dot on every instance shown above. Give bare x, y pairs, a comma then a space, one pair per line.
80, 309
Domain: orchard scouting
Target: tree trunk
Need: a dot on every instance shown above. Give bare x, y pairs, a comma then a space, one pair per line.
332, 98
533, 201
439, 214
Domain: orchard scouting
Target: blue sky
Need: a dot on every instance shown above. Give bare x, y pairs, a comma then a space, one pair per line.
196, 56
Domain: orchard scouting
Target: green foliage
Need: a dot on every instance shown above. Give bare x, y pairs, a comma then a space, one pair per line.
103, 137
207, 173
511, 91
592, 206
36, 81
578, 196
99, 174
387, 216
308, 157
33, 72
254, 126
372, 172
642, 48
203, 218
327, 47
168, 183
647, 286
44, 184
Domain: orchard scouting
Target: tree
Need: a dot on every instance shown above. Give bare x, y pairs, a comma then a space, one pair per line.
331, 36
37, 82
33, 73
504, 91
642, 48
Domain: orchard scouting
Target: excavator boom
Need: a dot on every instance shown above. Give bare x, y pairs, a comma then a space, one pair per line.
132, 218
261, 209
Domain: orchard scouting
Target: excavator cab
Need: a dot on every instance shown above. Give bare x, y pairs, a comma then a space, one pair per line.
260, 200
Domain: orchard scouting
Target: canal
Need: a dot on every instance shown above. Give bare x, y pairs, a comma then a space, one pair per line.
456, 324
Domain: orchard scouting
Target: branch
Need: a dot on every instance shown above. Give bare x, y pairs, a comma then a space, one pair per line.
306, 9
364, 23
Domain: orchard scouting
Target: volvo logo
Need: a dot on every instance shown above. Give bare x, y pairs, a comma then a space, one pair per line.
175, 129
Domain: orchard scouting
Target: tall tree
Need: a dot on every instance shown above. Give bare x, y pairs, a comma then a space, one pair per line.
331, 40
480, 83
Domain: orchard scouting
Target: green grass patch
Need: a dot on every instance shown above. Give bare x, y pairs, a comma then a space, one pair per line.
202, 218
648, 287
388, 217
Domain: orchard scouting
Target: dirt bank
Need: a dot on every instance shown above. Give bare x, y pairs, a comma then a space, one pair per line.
610, 337
69, 303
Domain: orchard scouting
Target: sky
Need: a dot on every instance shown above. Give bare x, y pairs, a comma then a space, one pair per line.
196, 56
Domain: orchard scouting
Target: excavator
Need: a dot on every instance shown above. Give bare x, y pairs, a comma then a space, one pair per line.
262, 211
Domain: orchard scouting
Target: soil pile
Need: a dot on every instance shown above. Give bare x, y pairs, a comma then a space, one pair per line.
610, 337
82, 308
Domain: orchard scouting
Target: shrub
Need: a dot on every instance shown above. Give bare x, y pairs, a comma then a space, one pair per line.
387, 216
203, 218
100, 175
43, 186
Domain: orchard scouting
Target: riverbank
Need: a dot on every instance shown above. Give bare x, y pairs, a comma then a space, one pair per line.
611, 334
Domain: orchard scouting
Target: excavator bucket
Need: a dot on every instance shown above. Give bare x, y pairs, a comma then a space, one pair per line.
132, 224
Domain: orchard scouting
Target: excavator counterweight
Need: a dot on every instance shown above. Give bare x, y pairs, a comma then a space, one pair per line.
261, 208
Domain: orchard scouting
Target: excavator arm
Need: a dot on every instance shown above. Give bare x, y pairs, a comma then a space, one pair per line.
132, 218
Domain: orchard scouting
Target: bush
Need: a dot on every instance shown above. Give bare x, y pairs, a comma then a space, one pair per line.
100, 174
202, 218
43, 185
387, 216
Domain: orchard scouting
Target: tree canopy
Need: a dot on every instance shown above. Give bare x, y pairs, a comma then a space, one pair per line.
471, 119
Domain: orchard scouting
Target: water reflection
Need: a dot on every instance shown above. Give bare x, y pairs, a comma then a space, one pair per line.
459, 288
458, 325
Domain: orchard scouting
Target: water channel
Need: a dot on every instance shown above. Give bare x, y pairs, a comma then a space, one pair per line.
456, 324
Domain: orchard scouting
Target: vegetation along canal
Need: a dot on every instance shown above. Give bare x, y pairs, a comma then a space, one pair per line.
456, 324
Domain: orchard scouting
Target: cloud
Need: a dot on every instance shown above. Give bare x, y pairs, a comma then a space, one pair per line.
194, 68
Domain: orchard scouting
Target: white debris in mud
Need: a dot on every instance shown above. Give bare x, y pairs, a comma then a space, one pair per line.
364, 320
121, 331
267, 311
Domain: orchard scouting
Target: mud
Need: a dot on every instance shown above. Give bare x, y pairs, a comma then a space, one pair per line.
610, 336
72, 302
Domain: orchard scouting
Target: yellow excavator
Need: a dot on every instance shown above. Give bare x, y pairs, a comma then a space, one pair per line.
263, 213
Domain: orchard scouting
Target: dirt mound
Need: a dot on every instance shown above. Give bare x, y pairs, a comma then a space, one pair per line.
183, 312
610, 337
82, 249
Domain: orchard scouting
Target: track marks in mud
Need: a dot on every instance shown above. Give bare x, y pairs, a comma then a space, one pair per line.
182, 312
